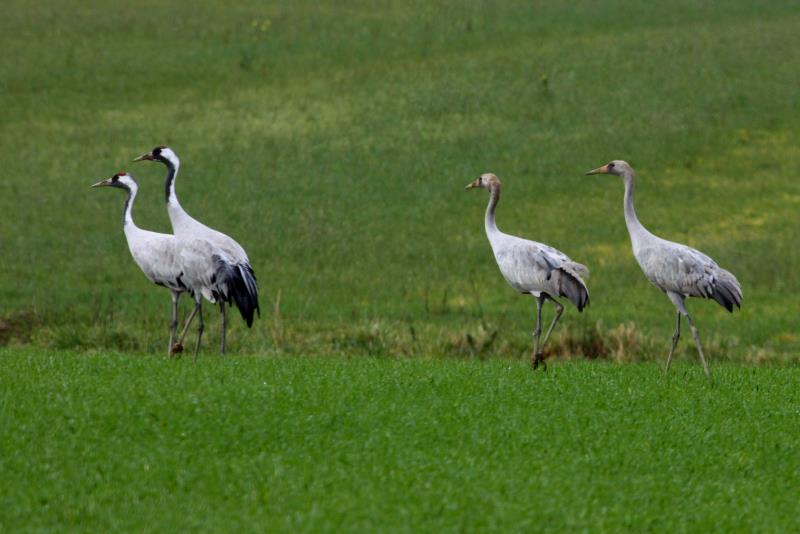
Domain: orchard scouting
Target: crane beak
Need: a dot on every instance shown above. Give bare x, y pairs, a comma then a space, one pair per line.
598, 170
145, 157
103, 183
475, 183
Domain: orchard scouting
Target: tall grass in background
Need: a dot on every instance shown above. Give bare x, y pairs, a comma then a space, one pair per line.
333, 141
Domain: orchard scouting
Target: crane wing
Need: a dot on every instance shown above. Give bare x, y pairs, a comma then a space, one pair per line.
687, 271
531, 267
525, 266
674, 267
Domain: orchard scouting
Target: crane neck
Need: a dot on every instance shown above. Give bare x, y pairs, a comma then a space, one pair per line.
169, 184
494, 198
635, 228
177, 215
127, 213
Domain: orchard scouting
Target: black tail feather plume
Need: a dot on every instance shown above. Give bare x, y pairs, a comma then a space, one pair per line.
238, 286
727, 291
724, 298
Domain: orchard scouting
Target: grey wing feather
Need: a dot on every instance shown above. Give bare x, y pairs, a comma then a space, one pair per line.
577, 269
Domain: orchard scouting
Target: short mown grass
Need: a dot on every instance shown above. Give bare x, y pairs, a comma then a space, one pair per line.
104, 441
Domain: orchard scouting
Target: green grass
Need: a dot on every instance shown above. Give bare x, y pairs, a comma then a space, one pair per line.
99, 442
333, 141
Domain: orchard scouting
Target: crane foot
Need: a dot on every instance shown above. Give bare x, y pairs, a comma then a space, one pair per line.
177, 348
537, 360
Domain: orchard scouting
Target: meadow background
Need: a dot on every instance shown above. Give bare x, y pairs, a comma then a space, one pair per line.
333, 141
386, 384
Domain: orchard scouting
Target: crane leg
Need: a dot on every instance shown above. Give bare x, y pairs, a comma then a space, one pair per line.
223, 328
537, 359
200, 327
178, 347
678, 301
696, 336
559, 311
675, 337
173, 323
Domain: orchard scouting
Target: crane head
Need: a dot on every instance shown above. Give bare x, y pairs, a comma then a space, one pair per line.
161, 153
123, 180
484, 180
618, 167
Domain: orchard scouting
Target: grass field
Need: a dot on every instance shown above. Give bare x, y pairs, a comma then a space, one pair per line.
333, 140
113, 442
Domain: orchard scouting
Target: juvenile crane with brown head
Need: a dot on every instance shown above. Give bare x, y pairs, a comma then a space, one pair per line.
533, 268
677, 270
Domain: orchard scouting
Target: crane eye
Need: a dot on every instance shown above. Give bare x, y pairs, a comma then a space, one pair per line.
611, 165
157, 152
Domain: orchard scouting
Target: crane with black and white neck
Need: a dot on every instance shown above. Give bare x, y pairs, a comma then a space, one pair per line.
209, 255
155, 253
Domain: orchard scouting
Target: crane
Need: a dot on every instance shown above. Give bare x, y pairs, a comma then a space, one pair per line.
215, 259
533, 268
156, 254
677, 270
